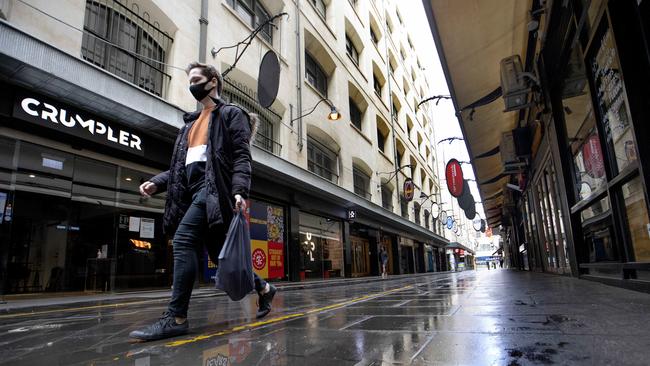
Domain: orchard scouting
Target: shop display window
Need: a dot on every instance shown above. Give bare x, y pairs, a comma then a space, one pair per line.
637, 219
321, 247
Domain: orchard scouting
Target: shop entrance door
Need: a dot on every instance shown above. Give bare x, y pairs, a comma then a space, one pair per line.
360, 256
406, 260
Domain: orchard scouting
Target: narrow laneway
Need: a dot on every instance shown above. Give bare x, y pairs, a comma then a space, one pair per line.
496, 317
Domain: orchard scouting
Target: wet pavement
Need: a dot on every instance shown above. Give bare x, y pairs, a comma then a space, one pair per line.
496, 317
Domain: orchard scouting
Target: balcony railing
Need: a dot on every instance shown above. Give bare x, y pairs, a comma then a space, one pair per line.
268, 119
128, 45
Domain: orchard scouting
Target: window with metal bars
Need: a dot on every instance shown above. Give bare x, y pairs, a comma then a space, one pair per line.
321, 160
120, 41
361, 183
355, 114
254, 14
265, 137
315, 74
416, 209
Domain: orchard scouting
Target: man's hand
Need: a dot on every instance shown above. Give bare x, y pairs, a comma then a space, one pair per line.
240, 203
147, 189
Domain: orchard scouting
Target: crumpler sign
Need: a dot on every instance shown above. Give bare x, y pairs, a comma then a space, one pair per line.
50, 114
454, 175
409, 189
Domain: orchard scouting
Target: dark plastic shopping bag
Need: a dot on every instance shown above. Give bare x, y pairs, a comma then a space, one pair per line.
235, 270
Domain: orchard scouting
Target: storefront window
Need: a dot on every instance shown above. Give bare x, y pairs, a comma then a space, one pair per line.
612, 101
94, 181
598, 232
266, 223
637, 218
583, 138
129, 191
321, 247
44, 170
7, 148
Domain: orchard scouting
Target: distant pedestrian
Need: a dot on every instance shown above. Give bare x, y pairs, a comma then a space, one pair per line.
500, 262
383, 256
208, 181
488, 264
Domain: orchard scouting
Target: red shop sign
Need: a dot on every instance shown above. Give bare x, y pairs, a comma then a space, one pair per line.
593, 157
454, 175
409, 189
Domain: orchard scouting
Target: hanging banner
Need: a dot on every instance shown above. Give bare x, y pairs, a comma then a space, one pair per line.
454, 176
409, 189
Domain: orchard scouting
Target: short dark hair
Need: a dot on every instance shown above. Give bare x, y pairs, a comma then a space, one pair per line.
208, 71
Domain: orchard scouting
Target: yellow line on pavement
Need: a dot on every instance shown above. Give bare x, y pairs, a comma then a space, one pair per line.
284, 317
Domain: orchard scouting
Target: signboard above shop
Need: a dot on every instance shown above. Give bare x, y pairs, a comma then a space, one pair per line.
454, 176
57, 116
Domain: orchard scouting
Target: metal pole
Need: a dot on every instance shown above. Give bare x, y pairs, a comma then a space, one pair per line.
392, 120
298, 76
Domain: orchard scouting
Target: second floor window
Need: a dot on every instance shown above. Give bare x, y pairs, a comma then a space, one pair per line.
253, 14
320, 7
381, 141
315, 74
404, 207
395, 112
376, 85
386, 198
115, 38
416, 209
351, 50
321, 160
374, 37
361, 183
355, 114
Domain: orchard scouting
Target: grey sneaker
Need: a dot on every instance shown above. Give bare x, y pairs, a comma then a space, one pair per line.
165, 327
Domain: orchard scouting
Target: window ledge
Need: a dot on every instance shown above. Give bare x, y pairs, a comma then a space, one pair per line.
385, 156
318, 93
361, 133
258, 36
356, 65
322, 18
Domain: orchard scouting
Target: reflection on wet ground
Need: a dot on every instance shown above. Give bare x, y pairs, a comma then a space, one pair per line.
468, 318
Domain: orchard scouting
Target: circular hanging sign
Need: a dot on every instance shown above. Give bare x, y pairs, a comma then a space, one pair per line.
470, 213
450, 222
409, 190
466, 199
483, 225
443, 217
477, 223
454, 176
435, 210
268, 80
454, 227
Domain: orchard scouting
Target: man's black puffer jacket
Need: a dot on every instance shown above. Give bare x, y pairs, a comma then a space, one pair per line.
227, 169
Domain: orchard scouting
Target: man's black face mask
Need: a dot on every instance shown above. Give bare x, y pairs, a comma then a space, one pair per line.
198, 90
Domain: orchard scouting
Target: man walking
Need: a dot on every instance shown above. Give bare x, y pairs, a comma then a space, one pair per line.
383, 256
209, 178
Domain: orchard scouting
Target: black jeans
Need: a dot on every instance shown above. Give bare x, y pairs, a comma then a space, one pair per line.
192, 233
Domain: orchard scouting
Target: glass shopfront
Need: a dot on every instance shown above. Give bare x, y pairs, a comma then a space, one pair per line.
73, 223
321, 247
609, 200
